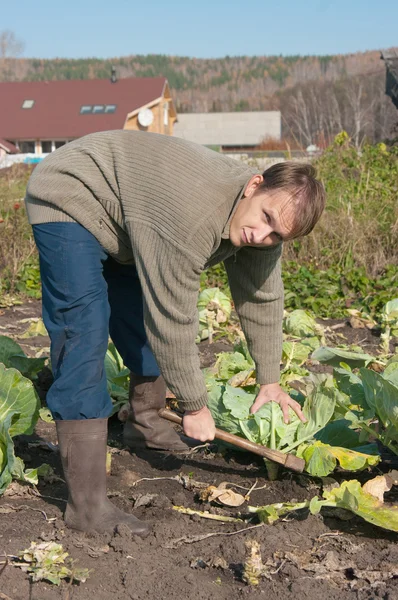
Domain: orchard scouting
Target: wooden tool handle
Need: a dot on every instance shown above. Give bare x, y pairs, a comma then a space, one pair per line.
287, 460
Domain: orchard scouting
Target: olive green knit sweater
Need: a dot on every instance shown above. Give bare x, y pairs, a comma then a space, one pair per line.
166, 205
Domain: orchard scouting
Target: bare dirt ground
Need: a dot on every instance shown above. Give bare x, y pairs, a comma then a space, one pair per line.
307, 557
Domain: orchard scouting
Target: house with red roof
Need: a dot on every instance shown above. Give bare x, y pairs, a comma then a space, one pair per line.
7, 148
39, 116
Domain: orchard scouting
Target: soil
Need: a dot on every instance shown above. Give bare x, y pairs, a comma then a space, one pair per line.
306, 556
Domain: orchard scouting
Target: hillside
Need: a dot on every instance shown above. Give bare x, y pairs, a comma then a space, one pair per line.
341, 87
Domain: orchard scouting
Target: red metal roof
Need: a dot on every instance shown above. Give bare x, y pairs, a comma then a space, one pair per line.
56, 110
10, 148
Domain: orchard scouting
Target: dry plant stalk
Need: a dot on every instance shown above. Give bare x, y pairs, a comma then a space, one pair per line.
253, 567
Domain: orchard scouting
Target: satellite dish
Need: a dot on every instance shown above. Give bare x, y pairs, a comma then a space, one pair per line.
312, 148
145, 117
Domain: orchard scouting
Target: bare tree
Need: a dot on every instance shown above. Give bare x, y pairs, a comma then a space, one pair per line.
360, 107
300, 115
10, 46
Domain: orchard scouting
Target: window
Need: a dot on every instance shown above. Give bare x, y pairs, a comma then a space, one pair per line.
46, 147
27, 147
166, 114
59, 144
97, 109
28, 103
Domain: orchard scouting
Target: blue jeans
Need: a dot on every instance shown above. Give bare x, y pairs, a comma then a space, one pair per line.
87, 296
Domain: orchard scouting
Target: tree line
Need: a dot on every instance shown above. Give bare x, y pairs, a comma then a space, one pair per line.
318, 96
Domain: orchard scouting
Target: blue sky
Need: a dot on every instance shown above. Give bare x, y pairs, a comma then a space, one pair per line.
199, 28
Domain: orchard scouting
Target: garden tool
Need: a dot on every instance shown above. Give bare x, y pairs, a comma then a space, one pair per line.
285, 459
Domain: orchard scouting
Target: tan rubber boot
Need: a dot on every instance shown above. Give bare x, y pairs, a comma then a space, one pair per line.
82, 446
145, 429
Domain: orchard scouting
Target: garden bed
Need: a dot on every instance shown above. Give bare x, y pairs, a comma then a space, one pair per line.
310, 556
305, 556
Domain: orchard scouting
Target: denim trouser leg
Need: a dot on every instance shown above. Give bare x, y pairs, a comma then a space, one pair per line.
76, 312
126, 325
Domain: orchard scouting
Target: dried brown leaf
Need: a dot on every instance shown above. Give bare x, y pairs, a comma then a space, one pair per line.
394, 476
218, 562
206, 493
230, 498
357, 323
222, 495
360, 321
21, 490
377, 486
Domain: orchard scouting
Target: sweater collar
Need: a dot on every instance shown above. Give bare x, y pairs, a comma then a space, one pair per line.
226, 230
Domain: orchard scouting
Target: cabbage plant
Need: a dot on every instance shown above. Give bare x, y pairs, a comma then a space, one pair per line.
214, 309
117, 377
19, 411
313, 440
373, 397
366, 501
389, 324
12, 355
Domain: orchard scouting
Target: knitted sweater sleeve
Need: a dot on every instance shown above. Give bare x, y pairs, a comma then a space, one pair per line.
257, 289
170, 279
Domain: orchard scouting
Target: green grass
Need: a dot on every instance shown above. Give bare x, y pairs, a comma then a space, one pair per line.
349, 260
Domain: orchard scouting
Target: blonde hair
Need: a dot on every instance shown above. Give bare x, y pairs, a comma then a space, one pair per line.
306, 192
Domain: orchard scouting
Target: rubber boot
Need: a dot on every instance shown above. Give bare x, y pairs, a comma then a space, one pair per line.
145, 429
83, 450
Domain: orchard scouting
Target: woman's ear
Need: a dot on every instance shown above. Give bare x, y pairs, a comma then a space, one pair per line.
252, 185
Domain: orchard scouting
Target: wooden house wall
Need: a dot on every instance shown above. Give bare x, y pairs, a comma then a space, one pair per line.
158, 125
